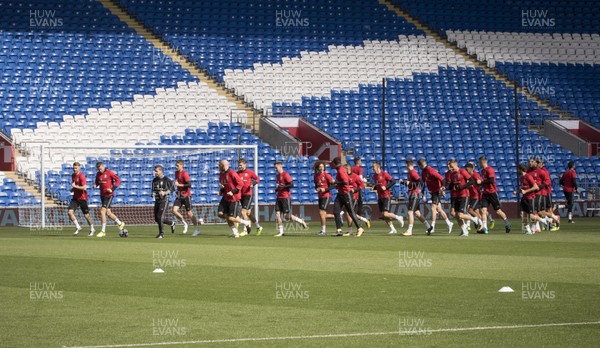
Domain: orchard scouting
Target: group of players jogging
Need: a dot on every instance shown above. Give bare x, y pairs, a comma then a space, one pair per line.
471, 194
236, 189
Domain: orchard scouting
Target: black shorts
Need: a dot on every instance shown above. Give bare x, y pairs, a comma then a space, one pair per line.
106, 201
459, 204
186, 202
548, 201
283, 205
246, 202
490, 199
79, 203
229, 208
435, 198
474, 203
539, 203
324, 203
413, 202
384, 204
527, 206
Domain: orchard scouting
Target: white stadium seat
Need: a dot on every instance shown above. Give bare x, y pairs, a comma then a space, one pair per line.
341, 67
190, 105
529, 47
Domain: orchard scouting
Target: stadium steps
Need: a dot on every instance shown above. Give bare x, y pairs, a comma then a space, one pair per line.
252, 117
396, 9
28, 187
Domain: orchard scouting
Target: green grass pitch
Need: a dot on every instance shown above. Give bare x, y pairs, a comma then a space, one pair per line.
301, 290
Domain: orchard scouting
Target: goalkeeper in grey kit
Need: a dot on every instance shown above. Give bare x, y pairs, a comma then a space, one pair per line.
162, 187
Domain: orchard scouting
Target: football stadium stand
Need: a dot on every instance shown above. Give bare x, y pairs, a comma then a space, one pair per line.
323, 60
235, 34
550, 48
88, 61
10, 193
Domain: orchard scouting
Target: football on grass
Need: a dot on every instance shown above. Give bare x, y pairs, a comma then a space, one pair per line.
123, 233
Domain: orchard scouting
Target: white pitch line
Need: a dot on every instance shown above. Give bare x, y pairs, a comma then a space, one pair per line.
359, 334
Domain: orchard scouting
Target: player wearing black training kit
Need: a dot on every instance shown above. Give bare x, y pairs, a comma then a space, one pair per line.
162, 187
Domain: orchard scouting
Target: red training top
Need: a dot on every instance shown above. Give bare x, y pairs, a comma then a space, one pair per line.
358, 170
107, 180
474, 190
79, 180
535, 174
231, 181
249, 178
381, 180
489, 173
459, 178
413, 181
323, 180
546, 180
343, 179
432, 179
357, 184
527, 182
283, 179
568, 179
182, 177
